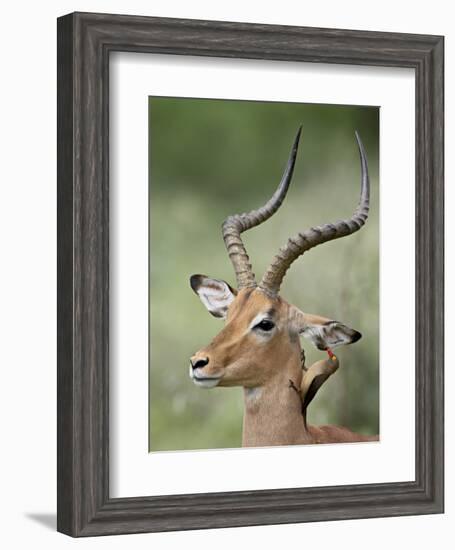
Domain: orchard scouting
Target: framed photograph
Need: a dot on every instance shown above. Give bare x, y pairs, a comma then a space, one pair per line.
250, 274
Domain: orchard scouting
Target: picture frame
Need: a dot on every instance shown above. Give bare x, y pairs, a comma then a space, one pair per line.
85, 41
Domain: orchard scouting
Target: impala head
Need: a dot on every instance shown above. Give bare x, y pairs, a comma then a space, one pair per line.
261, 332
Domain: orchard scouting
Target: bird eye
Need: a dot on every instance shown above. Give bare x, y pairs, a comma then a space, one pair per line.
265, 324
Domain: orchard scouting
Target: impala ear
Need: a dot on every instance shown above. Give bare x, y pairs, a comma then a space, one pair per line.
324, 333
216, 295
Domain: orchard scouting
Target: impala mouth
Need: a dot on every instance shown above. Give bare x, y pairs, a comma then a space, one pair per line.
203, 381
206, 381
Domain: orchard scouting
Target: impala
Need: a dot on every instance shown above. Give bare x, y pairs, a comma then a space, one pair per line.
259, 346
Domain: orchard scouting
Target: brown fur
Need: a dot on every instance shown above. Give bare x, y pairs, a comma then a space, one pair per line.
264, 365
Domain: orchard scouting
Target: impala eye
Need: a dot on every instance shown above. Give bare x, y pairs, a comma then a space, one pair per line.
265, 324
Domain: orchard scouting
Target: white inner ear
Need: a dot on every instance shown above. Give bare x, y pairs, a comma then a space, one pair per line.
216, 295
328, 336
323, 332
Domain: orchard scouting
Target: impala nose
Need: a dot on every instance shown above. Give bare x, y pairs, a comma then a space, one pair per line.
199, 362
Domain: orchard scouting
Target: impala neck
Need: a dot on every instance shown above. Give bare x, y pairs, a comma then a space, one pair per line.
273, 411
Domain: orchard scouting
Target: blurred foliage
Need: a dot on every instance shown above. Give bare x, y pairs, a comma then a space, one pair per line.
212, 158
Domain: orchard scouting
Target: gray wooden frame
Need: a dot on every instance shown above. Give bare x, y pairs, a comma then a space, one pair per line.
84, 44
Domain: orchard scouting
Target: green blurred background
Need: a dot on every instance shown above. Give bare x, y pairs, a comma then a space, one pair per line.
212, 158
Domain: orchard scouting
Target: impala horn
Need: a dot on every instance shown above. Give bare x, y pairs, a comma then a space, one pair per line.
296, 246
234, 225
